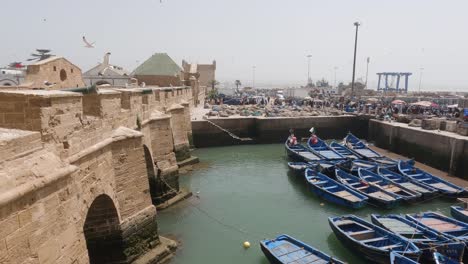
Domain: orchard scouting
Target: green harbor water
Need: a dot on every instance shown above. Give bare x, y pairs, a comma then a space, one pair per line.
245, 193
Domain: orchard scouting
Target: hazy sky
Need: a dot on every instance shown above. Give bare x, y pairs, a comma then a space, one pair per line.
273, 35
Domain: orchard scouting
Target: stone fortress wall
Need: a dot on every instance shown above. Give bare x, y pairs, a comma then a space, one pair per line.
81, 172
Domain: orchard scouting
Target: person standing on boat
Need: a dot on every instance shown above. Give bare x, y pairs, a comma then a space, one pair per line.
313, 138
292, 140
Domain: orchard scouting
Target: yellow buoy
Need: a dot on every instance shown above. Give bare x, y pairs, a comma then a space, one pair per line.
322, 204
246, 244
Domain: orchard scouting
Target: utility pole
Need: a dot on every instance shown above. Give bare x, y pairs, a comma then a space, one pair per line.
334, 83
253, 77
308, 69
367, 70
354, 62
420, 78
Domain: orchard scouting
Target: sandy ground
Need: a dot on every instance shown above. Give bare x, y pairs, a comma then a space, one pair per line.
198, 112
439, 173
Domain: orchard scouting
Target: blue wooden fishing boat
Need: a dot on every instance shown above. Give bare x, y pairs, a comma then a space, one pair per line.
285, 249
344, 151
389, 186
425, 190
441, 223
322, 149
333, 191
459, 212
444, 187
299, 152
441, 259
385, 162
425, 239
377, 196
396, 258
352, 166
299, 167
355, 144
374, 242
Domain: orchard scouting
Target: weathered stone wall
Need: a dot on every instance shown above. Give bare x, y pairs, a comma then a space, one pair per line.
75, 174
59, 72
274, 130
159, 80
442, 150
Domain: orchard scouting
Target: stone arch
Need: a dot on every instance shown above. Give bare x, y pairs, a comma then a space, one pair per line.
152, 172
102, 232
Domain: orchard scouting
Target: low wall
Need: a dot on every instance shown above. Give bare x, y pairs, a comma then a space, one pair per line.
274, 130
442, 150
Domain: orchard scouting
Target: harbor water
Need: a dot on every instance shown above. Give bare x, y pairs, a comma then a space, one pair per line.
245, 193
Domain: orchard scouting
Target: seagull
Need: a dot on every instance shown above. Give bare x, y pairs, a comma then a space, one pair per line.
87, 44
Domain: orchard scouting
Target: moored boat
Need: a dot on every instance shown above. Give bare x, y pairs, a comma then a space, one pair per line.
322, 149
374, 242
344, 151
425, 239
459, 212
377, 196
441, 223
425, 190
442, 186
356, 145
389, 186
334, 191
441, 259
396, 258
285, 249
298, 167
352, 166
299, 152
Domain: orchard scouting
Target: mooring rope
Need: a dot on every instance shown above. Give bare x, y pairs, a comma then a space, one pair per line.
228, 132
257, 235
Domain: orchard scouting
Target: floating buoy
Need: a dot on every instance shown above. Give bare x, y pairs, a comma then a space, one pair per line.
246, 244
322, 204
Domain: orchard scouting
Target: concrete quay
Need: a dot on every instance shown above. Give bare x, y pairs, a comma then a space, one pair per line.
274, 129
440, 149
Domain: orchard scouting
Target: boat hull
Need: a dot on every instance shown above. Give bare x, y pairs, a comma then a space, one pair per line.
335, 199
370, 254
456, 213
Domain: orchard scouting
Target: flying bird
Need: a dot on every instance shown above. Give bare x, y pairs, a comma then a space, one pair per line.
87, 44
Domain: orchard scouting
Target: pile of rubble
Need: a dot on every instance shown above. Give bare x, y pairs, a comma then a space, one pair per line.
269, 111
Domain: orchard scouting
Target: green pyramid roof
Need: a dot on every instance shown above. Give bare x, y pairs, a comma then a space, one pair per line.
158, 64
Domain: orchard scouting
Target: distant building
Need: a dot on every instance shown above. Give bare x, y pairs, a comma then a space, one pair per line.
206, 72
106, 73
11, 77
159, 70
52, 74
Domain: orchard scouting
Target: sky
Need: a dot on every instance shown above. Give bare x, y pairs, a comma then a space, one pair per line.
272, 35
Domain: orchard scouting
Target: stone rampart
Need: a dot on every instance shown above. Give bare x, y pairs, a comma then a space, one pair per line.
80, 173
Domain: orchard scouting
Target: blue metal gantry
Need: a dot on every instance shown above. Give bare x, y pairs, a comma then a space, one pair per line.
389, 87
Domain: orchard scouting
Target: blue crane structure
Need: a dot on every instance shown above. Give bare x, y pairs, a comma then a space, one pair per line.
392, 86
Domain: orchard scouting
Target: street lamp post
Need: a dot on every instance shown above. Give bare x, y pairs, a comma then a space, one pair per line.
253, 77
367, 70
334, 83
354, 62
308, 69
420, 78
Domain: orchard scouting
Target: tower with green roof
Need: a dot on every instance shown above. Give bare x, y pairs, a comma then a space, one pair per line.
159, 70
